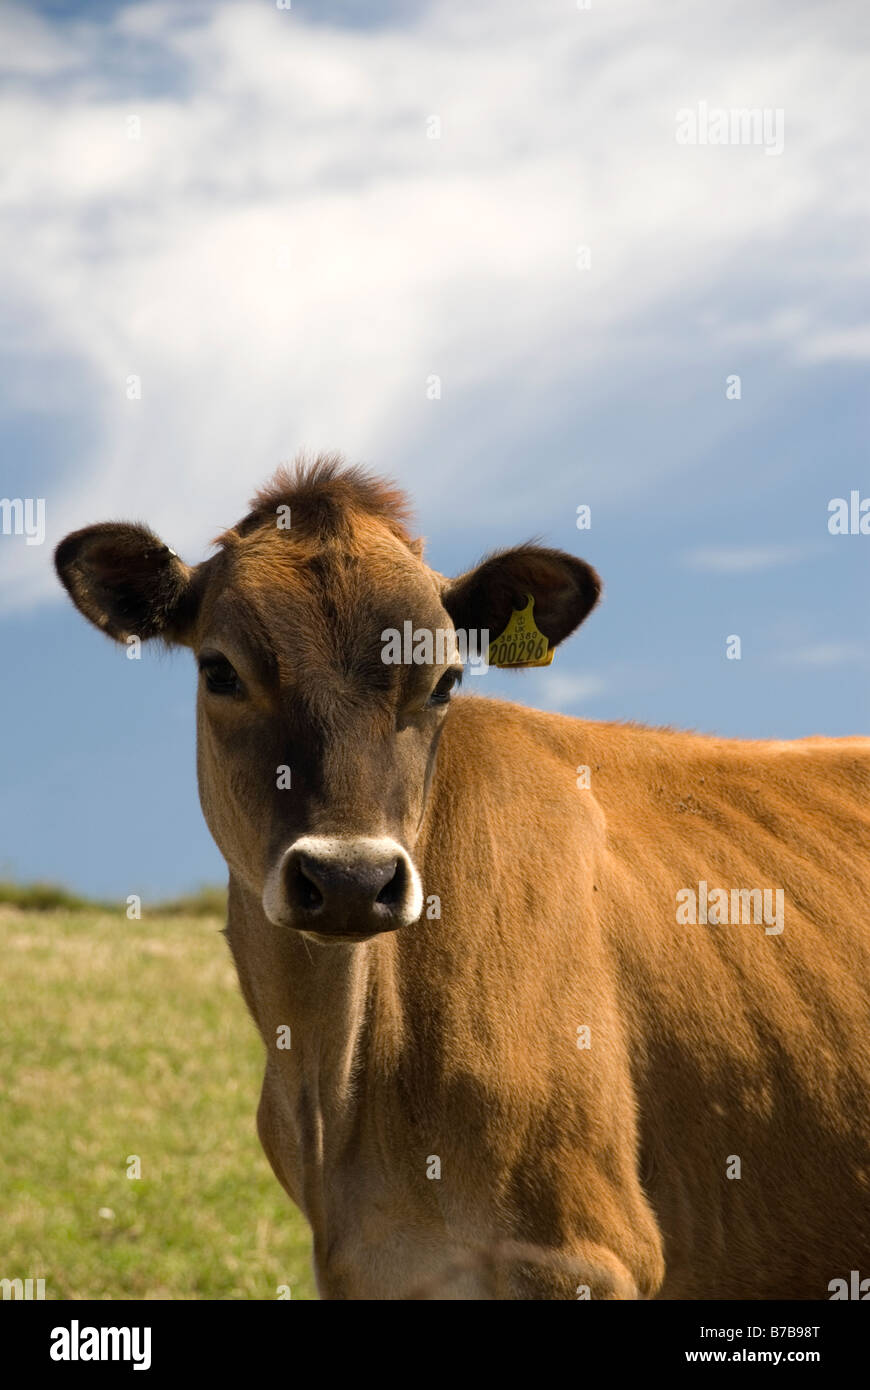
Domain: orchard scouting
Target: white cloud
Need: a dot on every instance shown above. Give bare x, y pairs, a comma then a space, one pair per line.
838, 345
745, 559
284, 257
823, 654
557, 690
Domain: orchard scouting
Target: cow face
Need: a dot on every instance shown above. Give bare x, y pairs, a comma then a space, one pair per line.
315, 746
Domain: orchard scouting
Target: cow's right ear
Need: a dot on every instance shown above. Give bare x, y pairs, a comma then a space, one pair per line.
126, 581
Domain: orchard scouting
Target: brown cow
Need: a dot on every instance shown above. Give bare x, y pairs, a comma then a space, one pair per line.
609, 1064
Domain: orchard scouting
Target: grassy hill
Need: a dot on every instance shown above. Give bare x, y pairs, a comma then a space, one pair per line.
130, 1038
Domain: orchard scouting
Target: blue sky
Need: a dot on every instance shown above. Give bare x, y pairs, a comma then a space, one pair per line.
284, 257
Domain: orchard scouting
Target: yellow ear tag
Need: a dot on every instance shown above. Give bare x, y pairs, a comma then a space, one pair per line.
521, 643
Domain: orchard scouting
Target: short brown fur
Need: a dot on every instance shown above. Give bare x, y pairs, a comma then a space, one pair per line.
456, 1037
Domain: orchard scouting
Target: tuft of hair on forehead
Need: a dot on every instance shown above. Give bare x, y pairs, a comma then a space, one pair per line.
325, 495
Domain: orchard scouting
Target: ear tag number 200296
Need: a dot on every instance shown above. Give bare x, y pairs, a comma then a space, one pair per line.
522, 643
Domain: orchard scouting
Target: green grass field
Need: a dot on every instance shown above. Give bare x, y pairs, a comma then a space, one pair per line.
124, 1038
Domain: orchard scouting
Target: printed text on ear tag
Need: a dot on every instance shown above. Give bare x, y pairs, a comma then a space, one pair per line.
521, 643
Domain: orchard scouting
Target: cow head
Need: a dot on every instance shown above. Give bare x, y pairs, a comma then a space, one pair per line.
314, 752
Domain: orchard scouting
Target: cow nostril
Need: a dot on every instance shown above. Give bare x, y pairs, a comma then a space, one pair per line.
309, 894
303, 889
394, 889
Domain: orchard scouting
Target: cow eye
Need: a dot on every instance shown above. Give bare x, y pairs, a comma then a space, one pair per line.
441, 694
220, 676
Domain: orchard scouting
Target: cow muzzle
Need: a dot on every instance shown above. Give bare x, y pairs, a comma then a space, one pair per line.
341, 888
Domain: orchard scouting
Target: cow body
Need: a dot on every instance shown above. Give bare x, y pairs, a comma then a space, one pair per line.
457, 1038
574, 1009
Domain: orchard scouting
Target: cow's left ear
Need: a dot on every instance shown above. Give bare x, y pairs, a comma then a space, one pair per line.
564, 588
126, 581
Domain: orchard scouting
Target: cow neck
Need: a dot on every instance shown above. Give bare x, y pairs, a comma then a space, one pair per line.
334, 999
